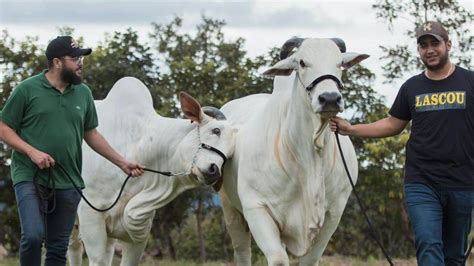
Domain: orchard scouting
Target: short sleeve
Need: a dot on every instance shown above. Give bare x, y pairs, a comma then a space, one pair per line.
90, 121
401, 108
14, 109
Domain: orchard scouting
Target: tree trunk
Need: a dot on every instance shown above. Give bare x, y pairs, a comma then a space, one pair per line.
224, 239
406, 224
171, 249
199, 214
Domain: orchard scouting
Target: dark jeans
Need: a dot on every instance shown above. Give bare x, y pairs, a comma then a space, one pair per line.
58, 227
441, 221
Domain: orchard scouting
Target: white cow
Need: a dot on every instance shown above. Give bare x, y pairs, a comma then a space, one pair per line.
129, 122
286, 182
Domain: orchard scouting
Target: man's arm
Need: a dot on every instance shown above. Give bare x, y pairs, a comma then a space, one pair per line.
385, 127
99, 144
9, 136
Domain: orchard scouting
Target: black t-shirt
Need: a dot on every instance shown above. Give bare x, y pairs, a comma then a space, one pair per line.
440, 151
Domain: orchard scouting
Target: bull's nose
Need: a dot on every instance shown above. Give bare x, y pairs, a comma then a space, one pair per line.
213, 169
330, 98
212, 174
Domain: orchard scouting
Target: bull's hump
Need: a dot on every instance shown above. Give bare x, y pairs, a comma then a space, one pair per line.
129, 91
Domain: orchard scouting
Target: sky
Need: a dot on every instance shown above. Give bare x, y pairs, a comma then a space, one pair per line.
262, 23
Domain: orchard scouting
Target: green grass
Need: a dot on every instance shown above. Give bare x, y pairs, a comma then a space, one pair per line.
325, 261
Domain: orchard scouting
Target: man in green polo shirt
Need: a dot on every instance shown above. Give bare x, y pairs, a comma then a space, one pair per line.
45, 120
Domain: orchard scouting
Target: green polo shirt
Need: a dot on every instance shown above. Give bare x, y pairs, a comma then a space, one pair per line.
52, 122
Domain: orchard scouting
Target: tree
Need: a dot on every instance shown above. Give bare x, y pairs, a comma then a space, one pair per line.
217, 246
119, 55
169, 219
205, 65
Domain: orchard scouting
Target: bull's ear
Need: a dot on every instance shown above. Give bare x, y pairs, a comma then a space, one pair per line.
190, 107
282, 68
350, 59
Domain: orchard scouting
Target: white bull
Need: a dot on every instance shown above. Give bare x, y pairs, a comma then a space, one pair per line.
286, 182
130, 124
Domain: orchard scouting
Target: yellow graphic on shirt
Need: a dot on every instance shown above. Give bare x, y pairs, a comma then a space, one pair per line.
440, 101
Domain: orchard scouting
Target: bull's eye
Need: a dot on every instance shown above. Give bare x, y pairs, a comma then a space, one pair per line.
302, 64
216, 131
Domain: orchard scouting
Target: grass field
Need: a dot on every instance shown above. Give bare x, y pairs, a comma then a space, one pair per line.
325, 261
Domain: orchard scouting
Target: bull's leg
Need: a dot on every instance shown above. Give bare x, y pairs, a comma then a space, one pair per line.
132, 253
99, 248
239, 233
104, 259
75, 249
329, 227
267, 236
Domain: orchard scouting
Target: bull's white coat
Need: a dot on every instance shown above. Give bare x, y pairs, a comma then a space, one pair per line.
286, 182
130, 124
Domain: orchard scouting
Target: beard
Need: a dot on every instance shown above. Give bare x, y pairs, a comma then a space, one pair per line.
442, 62
68, 76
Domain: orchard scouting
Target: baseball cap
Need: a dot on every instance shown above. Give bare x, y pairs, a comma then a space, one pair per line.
432, 28
65, 45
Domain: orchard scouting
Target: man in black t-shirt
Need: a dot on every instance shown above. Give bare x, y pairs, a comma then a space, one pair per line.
439, 167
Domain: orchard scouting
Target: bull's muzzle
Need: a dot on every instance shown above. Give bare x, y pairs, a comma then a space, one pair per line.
331, 102
212, 174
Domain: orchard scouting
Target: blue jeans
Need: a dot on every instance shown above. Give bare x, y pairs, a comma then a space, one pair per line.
441, 221
58, 227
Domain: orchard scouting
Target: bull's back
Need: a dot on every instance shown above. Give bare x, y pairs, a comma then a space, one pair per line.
240, 111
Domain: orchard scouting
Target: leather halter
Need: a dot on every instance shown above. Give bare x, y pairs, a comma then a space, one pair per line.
321, 78
210, 148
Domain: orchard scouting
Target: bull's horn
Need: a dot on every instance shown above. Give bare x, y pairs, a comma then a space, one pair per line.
340, 43
213, 112
289, 45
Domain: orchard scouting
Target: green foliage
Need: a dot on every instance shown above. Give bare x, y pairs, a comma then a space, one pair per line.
119, 55
167, 219
205, 65
19, 60
9, 220
217, 242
